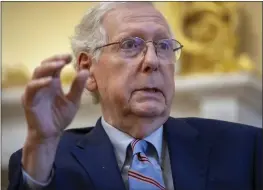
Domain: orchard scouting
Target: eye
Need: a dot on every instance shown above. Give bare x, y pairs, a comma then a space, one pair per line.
129, 44
132, 43
164, 45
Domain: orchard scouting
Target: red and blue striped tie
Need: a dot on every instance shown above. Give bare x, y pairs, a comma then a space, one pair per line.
144, 173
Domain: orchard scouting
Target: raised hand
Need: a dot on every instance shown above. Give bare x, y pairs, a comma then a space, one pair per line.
48, 112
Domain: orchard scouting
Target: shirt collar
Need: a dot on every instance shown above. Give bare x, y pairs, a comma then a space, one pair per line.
156, 138
121, 140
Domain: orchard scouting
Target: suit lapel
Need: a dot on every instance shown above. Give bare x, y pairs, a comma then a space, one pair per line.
95, 153
188, 155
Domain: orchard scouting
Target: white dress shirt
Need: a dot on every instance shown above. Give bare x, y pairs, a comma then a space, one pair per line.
120, 142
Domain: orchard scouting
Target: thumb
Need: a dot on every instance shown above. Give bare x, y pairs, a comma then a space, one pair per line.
77, 86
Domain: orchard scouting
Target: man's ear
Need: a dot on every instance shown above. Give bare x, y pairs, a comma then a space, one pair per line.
84, 61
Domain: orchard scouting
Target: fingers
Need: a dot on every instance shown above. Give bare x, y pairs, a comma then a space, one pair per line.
43, 75
33, 87
50, 69
77, 87
63, 57
52, 66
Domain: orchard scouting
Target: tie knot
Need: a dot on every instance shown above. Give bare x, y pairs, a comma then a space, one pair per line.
138, 146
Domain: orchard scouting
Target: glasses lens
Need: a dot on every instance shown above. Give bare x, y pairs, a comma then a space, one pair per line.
169, 48
165, 48
165, 45
132, 46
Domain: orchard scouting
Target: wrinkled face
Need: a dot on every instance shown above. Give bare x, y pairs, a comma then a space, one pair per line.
142, 85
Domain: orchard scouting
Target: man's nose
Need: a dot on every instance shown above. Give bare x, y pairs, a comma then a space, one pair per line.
151, 61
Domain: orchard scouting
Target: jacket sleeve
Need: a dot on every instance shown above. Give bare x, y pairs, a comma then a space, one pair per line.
16, 178
258, 159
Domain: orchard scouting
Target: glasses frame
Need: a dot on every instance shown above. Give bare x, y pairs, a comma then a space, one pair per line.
154, 43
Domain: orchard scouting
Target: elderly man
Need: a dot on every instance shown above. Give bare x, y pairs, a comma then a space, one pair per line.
125, 55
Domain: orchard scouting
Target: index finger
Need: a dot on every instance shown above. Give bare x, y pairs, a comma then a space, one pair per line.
55, 58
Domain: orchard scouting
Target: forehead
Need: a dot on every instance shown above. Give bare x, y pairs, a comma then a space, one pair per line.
139, 19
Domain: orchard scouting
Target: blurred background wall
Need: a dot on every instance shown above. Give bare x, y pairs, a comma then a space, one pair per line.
229, 90
34, 30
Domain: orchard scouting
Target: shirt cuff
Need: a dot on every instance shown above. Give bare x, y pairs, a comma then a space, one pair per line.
34, 184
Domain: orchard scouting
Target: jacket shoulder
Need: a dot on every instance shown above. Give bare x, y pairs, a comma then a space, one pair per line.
211, 127
205, 123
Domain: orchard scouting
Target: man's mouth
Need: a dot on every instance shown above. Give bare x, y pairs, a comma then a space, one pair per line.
151, 90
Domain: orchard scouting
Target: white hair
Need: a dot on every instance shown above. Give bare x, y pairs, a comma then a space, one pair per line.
90, 33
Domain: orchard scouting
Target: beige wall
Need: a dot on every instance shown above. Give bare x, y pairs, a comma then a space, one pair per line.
251, 30
35, 30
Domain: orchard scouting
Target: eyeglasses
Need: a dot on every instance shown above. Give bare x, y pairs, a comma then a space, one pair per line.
133, 46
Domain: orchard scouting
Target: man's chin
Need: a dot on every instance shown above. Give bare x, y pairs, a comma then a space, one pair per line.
147, 109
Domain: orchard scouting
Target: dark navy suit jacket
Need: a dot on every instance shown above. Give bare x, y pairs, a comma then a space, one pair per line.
204, 154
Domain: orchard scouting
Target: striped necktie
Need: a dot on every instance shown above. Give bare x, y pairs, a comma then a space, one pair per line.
144, 173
